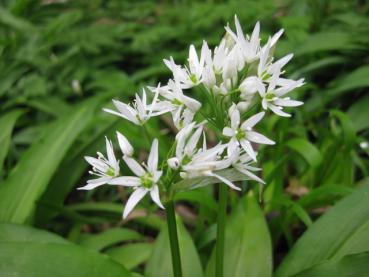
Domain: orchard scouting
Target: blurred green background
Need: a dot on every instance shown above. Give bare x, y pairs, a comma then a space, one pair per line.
62, 61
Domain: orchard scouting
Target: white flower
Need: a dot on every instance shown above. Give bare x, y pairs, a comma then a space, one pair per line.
140, 112
272, 99
186, 145
124, 144
105, 169
145, 182
192, 75
249, 47
181, 106
206, 163
241, 162
250, 86
242, 134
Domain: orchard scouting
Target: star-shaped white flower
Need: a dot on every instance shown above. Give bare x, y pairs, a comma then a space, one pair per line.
141, 111
241, 162
249, 47
273, 98
243, 134
106, 169
190, 76
145, 181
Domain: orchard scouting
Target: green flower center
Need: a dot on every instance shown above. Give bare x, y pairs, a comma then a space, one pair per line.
193, 78
176, 102
110, 172
240, 134
270, 96
186, 159
147, 181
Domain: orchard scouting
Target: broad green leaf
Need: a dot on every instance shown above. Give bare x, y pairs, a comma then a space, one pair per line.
343, 230
20, 233
359, 113
324, 41
350, 265
307, 150
29, 179
131, 255
7, 123
160, 262
108, 238
55, 259
248, 247
25, 251
353, 80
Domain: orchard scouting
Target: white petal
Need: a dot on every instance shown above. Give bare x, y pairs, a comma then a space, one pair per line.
249, 174
235, 119
128, 181
192, 142
152, 162
224, 180
278, 110
135, 197
258, 138
275, 37
229, 132
246, 145
154, 193
252, 121
134, 166
99, 165
94, 183
124, 144
286, 102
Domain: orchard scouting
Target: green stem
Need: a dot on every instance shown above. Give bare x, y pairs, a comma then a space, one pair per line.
173, 239
222, 212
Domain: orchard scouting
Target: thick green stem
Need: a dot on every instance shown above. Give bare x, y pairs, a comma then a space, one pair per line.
173, 239
222, 212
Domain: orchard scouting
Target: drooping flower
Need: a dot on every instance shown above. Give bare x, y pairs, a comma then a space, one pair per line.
106, 169
243, 134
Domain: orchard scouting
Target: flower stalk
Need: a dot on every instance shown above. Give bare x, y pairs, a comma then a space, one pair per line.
222, 213
173, 239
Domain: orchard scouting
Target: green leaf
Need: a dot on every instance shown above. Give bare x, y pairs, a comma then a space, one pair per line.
324, 41
29, 179
20, 233
350, 265
108, 238
160, 262
353, 80
131, 255
40, 254
7, 123
248, 247
359, 113
343, 230
307, 150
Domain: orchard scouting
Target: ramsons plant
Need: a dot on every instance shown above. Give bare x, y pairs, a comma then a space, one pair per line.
242, 84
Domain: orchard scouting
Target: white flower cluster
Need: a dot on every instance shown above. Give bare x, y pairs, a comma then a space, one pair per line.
240, 80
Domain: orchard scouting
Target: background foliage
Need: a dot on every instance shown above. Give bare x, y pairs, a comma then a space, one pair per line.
62, 61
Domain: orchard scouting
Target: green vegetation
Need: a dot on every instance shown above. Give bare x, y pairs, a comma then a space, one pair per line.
61, 62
